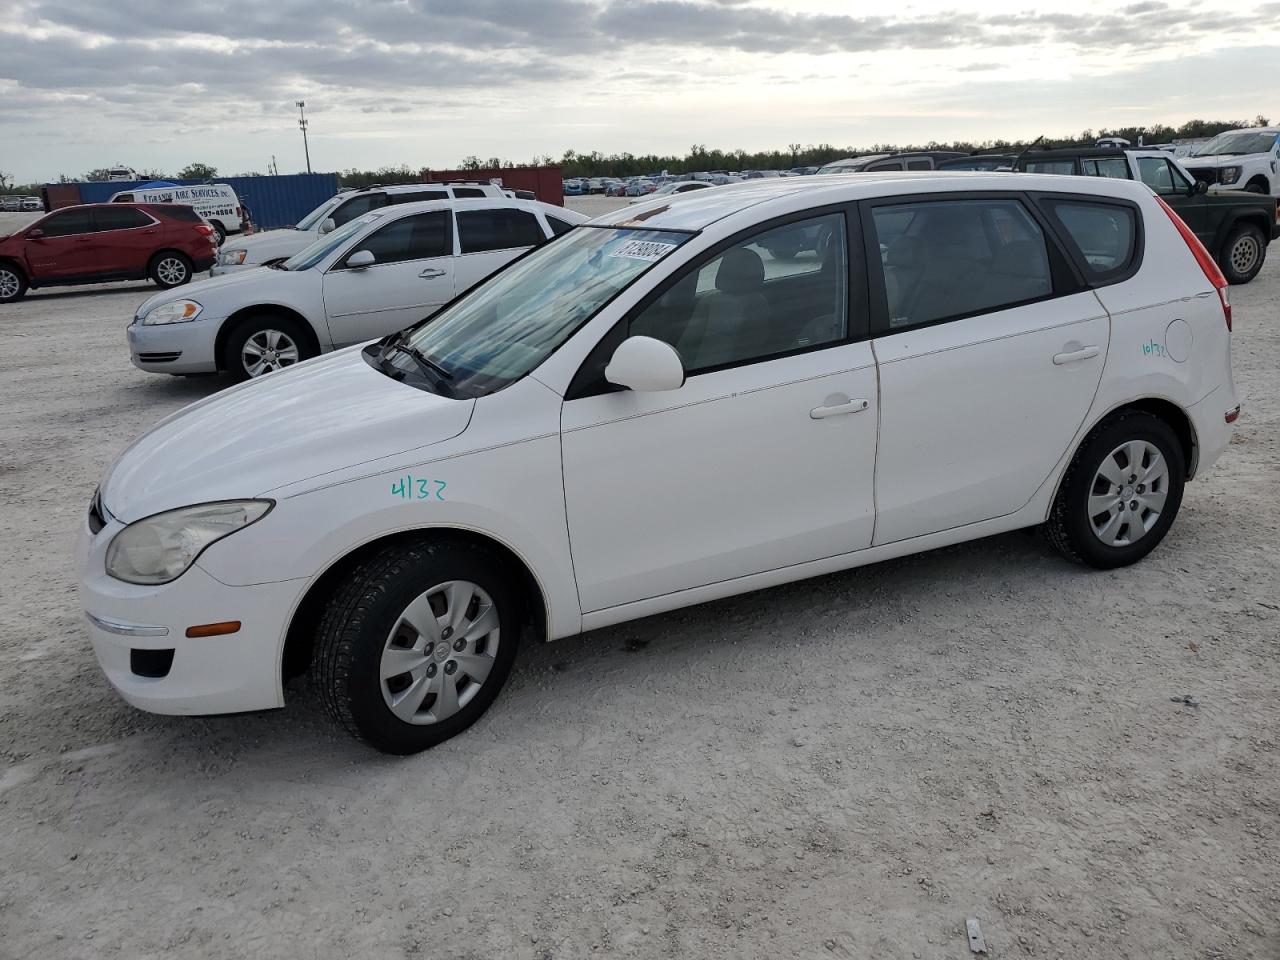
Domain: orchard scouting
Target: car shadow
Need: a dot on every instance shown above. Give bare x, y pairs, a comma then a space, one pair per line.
65, 293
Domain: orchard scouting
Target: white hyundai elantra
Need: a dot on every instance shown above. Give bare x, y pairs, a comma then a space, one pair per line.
655, 410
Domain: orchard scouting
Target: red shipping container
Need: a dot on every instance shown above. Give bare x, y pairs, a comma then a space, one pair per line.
546, 183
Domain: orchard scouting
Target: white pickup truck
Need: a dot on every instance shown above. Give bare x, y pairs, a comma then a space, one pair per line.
1239, 160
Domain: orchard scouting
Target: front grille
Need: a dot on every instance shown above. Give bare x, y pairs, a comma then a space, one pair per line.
97, 516
160, 357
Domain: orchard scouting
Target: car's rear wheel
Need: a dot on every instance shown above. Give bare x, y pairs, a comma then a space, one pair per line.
1243, 253
264, 344
169, 269
417, 643
13, 283
219, 232
1121, 493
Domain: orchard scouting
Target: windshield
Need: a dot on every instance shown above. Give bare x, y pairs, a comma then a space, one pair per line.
318, 249
318, 214
1236, 143
512, 322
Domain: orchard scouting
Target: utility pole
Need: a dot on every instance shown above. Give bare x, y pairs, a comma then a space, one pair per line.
274, 167
302, 122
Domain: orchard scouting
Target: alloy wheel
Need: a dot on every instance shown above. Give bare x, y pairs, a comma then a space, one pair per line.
171, 271
439, 653
1244, 253
1128, 493
9, 284
268, 350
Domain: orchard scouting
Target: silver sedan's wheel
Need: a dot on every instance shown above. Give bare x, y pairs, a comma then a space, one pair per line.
172, 271
268, 350
1128, 493
10, 284
1244, 253
440, 652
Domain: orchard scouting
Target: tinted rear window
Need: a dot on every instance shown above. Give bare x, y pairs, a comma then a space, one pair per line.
177, 211
463, 193
1104, 234
499, 229
120, 218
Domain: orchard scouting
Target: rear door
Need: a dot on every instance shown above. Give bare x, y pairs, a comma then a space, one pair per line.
126, 238
989, 351
490, 238
68, 247
412, 277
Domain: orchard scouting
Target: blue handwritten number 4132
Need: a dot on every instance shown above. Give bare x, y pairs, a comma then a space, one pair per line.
407, 488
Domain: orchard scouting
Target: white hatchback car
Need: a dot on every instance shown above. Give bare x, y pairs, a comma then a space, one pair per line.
370, 277
653, 411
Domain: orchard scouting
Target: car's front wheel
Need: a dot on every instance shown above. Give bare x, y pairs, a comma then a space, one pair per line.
1121, 493
169, 269
1243, 253
264, 344
13, 283
417, 643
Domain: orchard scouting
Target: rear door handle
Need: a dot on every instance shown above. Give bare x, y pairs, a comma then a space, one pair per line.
1084, 353
839, 409
430, 273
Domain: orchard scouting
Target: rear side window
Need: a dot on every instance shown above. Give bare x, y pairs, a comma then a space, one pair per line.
121, 218
1067, 167
1104, 235
67, 223
919, 164
177, 211
558, 226
418, 237
955, 258
1115, 167
464, 193
481, 230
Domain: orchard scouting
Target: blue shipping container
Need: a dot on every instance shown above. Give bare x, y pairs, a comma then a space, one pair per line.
274, 201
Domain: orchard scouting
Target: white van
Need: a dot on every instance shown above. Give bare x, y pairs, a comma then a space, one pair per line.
216, 202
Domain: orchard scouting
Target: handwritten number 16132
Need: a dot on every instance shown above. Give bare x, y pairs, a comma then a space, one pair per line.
409, 488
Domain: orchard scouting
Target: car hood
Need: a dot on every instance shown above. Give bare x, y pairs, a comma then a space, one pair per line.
302, 424
271, 244
1217, 160
212, 292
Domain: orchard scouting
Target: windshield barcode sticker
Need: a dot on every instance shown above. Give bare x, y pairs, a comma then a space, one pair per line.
643, 250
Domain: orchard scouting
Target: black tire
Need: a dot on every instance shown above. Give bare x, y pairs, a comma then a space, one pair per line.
357, 622
234, 348
1243, 253
219, 232
169, 269
1070, 528
1258, 185
13, 283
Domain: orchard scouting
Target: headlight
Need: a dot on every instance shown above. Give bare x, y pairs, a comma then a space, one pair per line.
232, 258
161, 548
179, 311
1229, 174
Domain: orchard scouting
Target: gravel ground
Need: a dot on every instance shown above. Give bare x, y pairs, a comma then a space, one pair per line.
845, 767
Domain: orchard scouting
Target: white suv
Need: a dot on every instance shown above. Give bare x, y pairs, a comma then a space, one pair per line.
371, 276
272, 246
1239, 160
654, 411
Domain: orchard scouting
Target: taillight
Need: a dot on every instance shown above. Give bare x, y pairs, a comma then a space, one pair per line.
1212, 272
239, 214
204, 230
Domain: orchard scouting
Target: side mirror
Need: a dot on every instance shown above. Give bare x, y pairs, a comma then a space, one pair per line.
327, 225
1201, 187
35, 234
643, 363
361, 259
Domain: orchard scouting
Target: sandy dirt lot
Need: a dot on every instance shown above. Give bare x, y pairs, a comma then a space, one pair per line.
845, 767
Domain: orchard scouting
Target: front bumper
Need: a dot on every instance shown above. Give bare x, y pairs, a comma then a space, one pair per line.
175, 347
132, 629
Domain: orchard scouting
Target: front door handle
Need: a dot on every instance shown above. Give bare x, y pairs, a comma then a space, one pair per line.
839, 409
430, 273
1084, 353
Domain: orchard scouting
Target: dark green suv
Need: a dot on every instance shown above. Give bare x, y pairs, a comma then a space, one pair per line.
1234, 225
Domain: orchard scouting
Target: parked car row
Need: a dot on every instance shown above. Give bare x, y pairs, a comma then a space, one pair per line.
13, 203
396, 518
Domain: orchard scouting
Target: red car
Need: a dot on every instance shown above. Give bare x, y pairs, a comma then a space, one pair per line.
165, 242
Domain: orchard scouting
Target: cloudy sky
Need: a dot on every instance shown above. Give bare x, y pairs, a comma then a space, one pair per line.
158, 83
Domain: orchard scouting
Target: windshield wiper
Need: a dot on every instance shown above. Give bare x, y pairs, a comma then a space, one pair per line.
430, 369
424, 360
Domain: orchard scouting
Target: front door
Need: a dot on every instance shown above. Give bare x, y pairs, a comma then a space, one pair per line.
764, 459
411, 278
1166, 179
68, 248
989, 357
